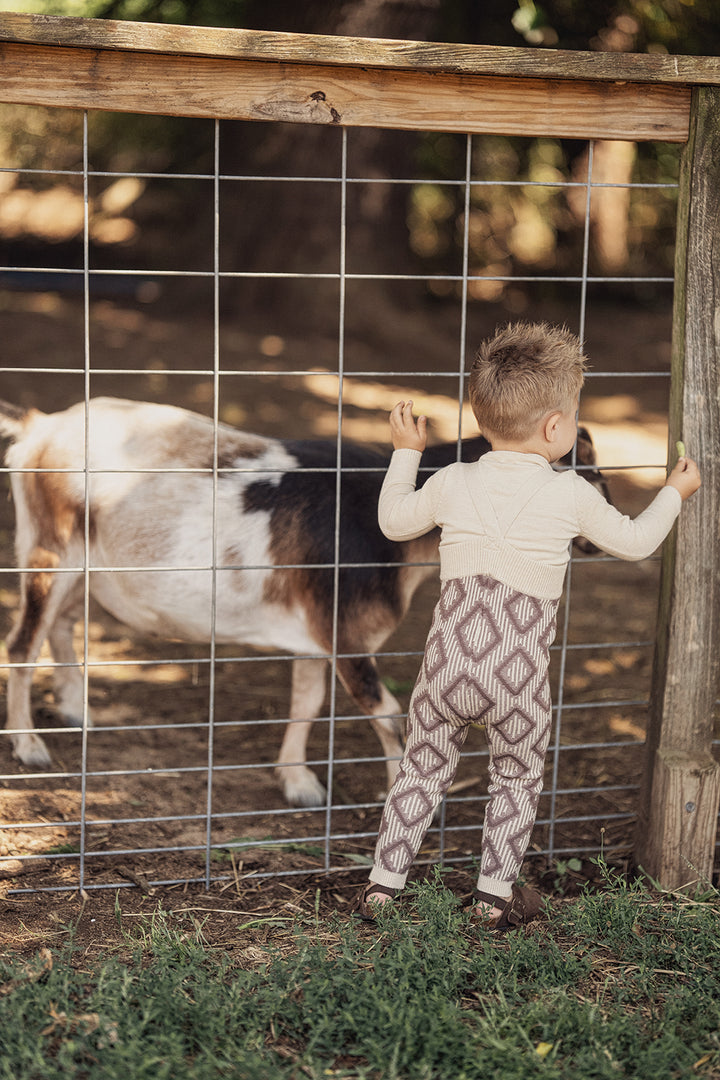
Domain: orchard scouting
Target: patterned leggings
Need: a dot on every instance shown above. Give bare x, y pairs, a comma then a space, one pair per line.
485, 661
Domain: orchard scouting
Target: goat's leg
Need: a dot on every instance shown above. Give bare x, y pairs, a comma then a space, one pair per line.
388, 726
360, 678
43, 594
300, 785
68, 681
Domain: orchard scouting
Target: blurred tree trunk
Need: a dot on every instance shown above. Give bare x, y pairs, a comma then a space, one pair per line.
270, 226
613, 164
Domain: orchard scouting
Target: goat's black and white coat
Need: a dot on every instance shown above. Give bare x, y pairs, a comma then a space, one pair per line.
155, 528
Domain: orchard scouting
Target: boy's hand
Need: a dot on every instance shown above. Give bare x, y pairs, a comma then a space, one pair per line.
406, 434
685, 477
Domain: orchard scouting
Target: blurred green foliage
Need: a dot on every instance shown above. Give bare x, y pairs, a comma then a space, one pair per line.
521, 220
189, 12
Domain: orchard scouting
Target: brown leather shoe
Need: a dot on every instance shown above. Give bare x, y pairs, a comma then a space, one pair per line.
521, 907
363, 906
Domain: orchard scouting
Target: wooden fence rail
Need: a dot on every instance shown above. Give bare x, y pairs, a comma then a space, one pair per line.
255, 75
246, 75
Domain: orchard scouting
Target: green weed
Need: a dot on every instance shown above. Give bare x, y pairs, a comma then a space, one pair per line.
398, 686
62, 849
564, 869
240, 845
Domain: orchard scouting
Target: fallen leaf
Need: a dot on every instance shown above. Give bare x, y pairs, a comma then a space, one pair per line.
543, 1049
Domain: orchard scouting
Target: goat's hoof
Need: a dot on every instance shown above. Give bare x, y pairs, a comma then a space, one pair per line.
31, 751
302, 787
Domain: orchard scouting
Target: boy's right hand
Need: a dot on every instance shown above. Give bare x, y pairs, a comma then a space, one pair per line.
685, 477
406, 434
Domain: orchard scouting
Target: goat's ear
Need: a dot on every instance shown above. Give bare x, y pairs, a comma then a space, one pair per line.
474, 448
585, 448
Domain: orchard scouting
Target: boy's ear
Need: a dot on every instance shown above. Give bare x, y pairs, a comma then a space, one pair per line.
551, 426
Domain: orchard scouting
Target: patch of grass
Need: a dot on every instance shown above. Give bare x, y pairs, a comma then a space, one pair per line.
62, 849
174, 1011
398, 686
620, 983
240, 845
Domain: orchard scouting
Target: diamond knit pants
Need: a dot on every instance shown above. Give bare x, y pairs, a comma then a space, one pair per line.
486, 661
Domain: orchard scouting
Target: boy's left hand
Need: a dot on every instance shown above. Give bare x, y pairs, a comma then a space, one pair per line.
406, 434
685, 477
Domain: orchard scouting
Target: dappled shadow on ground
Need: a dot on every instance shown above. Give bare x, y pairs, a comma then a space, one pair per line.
146, 795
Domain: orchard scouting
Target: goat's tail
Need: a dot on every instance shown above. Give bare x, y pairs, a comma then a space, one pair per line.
12, 420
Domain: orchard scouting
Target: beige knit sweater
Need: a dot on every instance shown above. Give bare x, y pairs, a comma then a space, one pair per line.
512, 516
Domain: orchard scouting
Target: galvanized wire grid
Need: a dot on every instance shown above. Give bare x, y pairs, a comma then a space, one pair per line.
325, 835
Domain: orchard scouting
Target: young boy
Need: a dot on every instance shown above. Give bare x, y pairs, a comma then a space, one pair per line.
507, 522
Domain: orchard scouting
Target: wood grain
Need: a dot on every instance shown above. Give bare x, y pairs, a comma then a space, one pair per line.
686, 677
359, 52
681, 842
419, 101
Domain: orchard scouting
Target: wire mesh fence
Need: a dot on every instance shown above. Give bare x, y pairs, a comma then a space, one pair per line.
175, 782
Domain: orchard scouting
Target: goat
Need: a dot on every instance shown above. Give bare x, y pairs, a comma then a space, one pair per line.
153, 500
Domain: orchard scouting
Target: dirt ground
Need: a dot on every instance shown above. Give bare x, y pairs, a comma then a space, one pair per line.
146, 793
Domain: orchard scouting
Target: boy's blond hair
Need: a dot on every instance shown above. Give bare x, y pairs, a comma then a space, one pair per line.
522, 373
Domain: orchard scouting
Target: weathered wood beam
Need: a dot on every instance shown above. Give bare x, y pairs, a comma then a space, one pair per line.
302, 93
339, 51
679, 809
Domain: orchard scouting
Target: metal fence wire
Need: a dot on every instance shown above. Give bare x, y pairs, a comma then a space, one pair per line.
174, 782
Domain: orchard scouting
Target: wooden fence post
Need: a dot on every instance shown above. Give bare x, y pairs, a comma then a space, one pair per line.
679, 803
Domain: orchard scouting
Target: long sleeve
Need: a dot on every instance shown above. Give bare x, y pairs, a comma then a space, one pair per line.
622, 536
403, 512
491, 522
